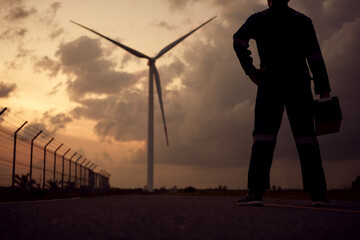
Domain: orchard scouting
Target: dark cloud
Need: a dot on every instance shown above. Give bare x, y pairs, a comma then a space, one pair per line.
6, 89
179, 4
12, 12
15, 12
341, 52
48, 18
127, 58
19, 13
47, 64
112, 115
55, 7
22, 56
9, 3
84, 59
48, 15
164, 24
234, 11
13, 33
109, 96
32, 129
57, 121
329, 16
49, 124
56, 32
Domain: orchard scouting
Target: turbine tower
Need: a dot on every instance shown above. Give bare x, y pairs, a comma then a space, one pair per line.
152, 73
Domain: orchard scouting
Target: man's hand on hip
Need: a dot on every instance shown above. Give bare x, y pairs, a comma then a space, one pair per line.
256, 75
325, 95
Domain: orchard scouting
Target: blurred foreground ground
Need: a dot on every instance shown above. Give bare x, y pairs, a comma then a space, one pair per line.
176, 217
20, 194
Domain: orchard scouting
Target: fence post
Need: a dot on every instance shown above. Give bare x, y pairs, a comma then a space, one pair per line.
76, 169
62, 174
101, 178
90, 180
55, 159
14, 155
45, 162
3, 110
108, 181
81, 169
70, 168
31, 155
91, 165
87, 174
95, 176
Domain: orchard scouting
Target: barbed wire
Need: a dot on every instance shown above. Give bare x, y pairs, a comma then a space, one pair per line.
27, 134
29, 130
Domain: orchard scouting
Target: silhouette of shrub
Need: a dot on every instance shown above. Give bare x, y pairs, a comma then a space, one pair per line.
190, 189
24, 181
53, 185
356, 183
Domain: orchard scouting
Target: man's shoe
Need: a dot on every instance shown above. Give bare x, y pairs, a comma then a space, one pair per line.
251, 200
320, 203
319, 200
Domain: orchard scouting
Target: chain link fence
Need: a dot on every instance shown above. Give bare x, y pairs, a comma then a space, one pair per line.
30, 158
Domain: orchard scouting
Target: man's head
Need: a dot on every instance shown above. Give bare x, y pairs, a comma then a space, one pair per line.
273, 2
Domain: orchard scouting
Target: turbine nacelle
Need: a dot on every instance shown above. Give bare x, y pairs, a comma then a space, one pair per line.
151, 61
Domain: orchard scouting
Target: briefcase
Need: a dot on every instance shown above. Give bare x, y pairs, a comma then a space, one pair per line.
327, 115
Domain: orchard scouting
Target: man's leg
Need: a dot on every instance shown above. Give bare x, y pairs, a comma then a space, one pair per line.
300, 113
312, 171
260, 165
268, 115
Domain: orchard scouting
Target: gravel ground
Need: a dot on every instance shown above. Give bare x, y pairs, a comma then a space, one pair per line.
176, 217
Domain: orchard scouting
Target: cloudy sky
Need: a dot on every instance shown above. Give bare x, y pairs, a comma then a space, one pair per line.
92, 95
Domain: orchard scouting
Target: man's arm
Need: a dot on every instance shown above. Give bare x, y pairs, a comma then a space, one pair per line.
241, 45
316, 62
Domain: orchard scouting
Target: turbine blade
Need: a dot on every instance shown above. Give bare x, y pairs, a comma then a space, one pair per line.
170, 46
158, 88
128, 49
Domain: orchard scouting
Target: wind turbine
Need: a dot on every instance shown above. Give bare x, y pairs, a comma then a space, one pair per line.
152, 73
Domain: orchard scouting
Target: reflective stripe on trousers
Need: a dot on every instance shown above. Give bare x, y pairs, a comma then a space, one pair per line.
306, 140
265, 137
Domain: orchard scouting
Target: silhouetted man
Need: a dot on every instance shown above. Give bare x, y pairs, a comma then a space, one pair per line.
285, 39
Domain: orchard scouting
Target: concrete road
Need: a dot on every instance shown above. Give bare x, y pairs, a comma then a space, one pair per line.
174, 217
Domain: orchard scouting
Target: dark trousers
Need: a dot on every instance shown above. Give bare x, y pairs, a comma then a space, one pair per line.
271, 100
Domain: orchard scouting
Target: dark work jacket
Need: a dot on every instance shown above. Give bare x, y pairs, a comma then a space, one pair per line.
285, 39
